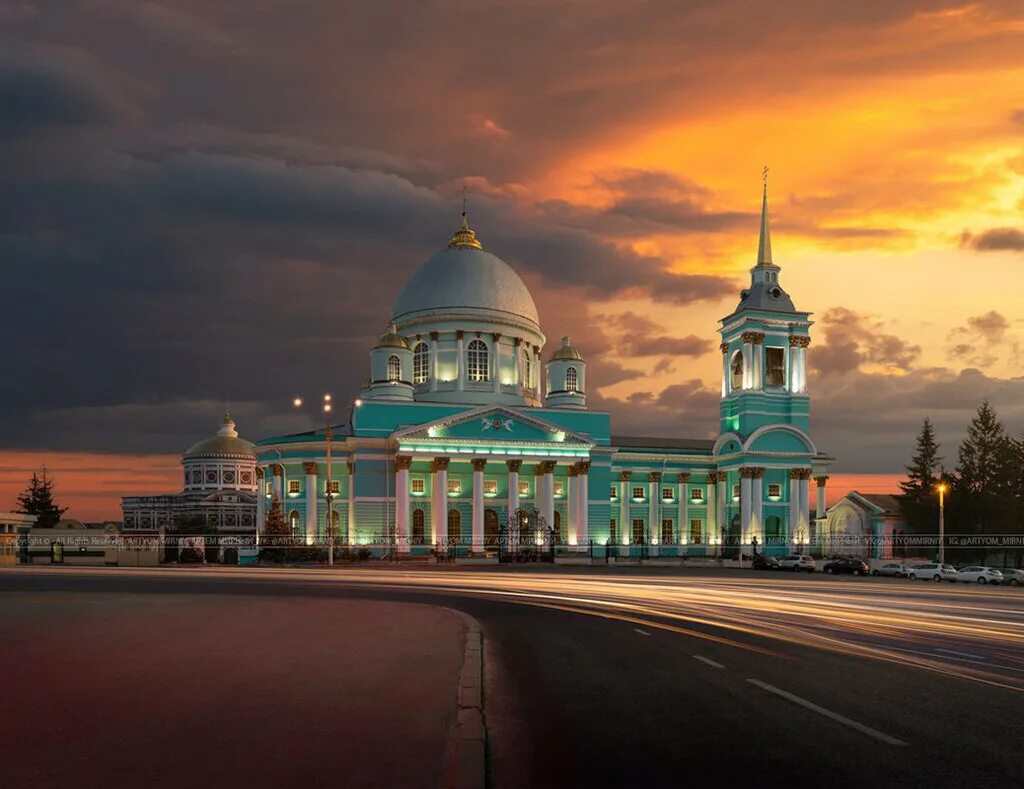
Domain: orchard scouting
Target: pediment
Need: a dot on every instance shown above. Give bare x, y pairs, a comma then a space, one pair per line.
493, 424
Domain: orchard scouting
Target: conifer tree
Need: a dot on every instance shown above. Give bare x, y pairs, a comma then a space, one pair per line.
984, 473
918, 502
38, 500
274, 525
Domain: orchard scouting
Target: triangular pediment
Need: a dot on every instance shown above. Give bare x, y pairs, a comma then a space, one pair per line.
493, 424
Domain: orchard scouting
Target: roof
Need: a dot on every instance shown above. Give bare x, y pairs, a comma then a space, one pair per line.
566, 352
226, 442
647, 442
885, 501
337, 431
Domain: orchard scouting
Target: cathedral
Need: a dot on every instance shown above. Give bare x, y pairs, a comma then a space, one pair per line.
464, 438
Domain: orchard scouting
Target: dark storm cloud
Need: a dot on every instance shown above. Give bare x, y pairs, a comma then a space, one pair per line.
852, 339
994, 240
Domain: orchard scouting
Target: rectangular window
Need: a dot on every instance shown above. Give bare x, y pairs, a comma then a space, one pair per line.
335, 487
638, 531
559, 488
638, 492
293, 486
774, 490
613, 531
667, 494
774, 366
735, 492
696, 494
268, 488
419, 485
490, 487
524, 488
614, 492
695, 531
666, 532
455, 486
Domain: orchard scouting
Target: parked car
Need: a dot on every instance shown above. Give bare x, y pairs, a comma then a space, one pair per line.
979, 574
1013, 577
797, 562
893, 568
855, 566
932, 571
762, 562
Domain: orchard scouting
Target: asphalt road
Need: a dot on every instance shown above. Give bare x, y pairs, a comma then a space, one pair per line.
641, 677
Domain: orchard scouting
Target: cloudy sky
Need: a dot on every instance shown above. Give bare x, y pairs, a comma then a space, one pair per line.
204, 201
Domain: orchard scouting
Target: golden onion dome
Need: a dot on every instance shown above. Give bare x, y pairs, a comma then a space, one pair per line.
392, 339
566, 352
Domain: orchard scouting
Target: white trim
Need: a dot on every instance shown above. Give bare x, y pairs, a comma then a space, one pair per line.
783, 428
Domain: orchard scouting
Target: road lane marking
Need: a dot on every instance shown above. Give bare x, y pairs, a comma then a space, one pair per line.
827, 713
709, 661
641, 632
954, 652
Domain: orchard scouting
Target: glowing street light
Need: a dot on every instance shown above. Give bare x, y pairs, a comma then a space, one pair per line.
941, 488
297, 402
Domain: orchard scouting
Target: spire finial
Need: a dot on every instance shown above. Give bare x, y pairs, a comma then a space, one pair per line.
464, 236
764, 244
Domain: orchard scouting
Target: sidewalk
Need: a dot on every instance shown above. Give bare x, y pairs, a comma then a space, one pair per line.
219, 690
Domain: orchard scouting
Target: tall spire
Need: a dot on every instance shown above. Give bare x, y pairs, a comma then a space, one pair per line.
464, 236
764, 244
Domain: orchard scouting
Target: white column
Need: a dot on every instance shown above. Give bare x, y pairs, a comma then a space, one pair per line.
757, 504
496, 363
536, 370
434, 366
684, 508
794, 504
402, 540
625, 527
439, 500
746, 512
794, 354
711, 500
513, 485
803, 369
722, 496
572, 499
583, 507
654, 494
748, 362
758, 351
351, 503
311, 513
724, 348
819, 510
517, 360
549, 492
479, 464
261, 503
460, 366
277, 487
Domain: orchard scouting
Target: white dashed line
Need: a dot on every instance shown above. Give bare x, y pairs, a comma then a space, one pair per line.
641, 632
827, 713
709, 661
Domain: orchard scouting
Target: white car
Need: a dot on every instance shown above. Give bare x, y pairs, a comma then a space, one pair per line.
797, 562
893, 568
979, 574
1013, 577
932, 571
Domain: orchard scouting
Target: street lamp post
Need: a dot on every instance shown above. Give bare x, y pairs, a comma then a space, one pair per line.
942, 522
328, 493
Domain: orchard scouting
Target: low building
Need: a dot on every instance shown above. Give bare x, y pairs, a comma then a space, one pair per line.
868, 525
10, 523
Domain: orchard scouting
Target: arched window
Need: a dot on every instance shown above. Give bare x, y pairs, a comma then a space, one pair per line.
394, 368
420, 363
477, 368
571, 380
527, 369
293, 521
737, 370
417, 527
454, 527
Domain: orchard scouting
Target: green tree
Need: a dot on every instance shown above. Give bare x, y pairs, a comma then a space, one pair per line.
983, 484
918, 502
274, 525
38, 500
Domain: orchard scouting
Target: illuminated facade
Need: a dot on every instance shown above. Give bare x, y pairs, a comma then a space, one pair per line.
456, 437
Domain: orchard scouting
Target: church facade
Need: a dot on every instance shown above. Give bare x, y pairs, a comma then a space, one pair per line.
463, 438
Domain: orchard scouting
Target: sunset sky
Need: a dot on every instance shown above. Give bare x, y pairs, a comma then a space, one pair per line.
219, 201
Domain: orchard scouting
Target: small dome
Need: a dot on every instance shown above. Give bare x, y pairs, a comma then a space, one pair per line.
566, 352
463, 277
392, 339
226, 442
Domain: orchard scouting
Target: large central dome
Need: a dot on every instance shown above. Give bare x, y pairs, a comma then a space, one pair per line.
464, 279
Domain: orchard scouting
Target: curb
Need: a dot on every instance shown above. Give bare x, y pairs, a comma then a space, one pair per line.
467, 765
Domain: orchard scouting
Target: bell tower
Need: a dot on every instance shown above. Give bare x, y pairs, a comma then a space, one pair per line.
764, 347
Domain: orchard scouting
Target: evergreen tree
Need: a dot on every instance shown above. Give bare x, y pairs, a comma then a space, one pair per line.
984, 480
274, 525
38, 500
918, 502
